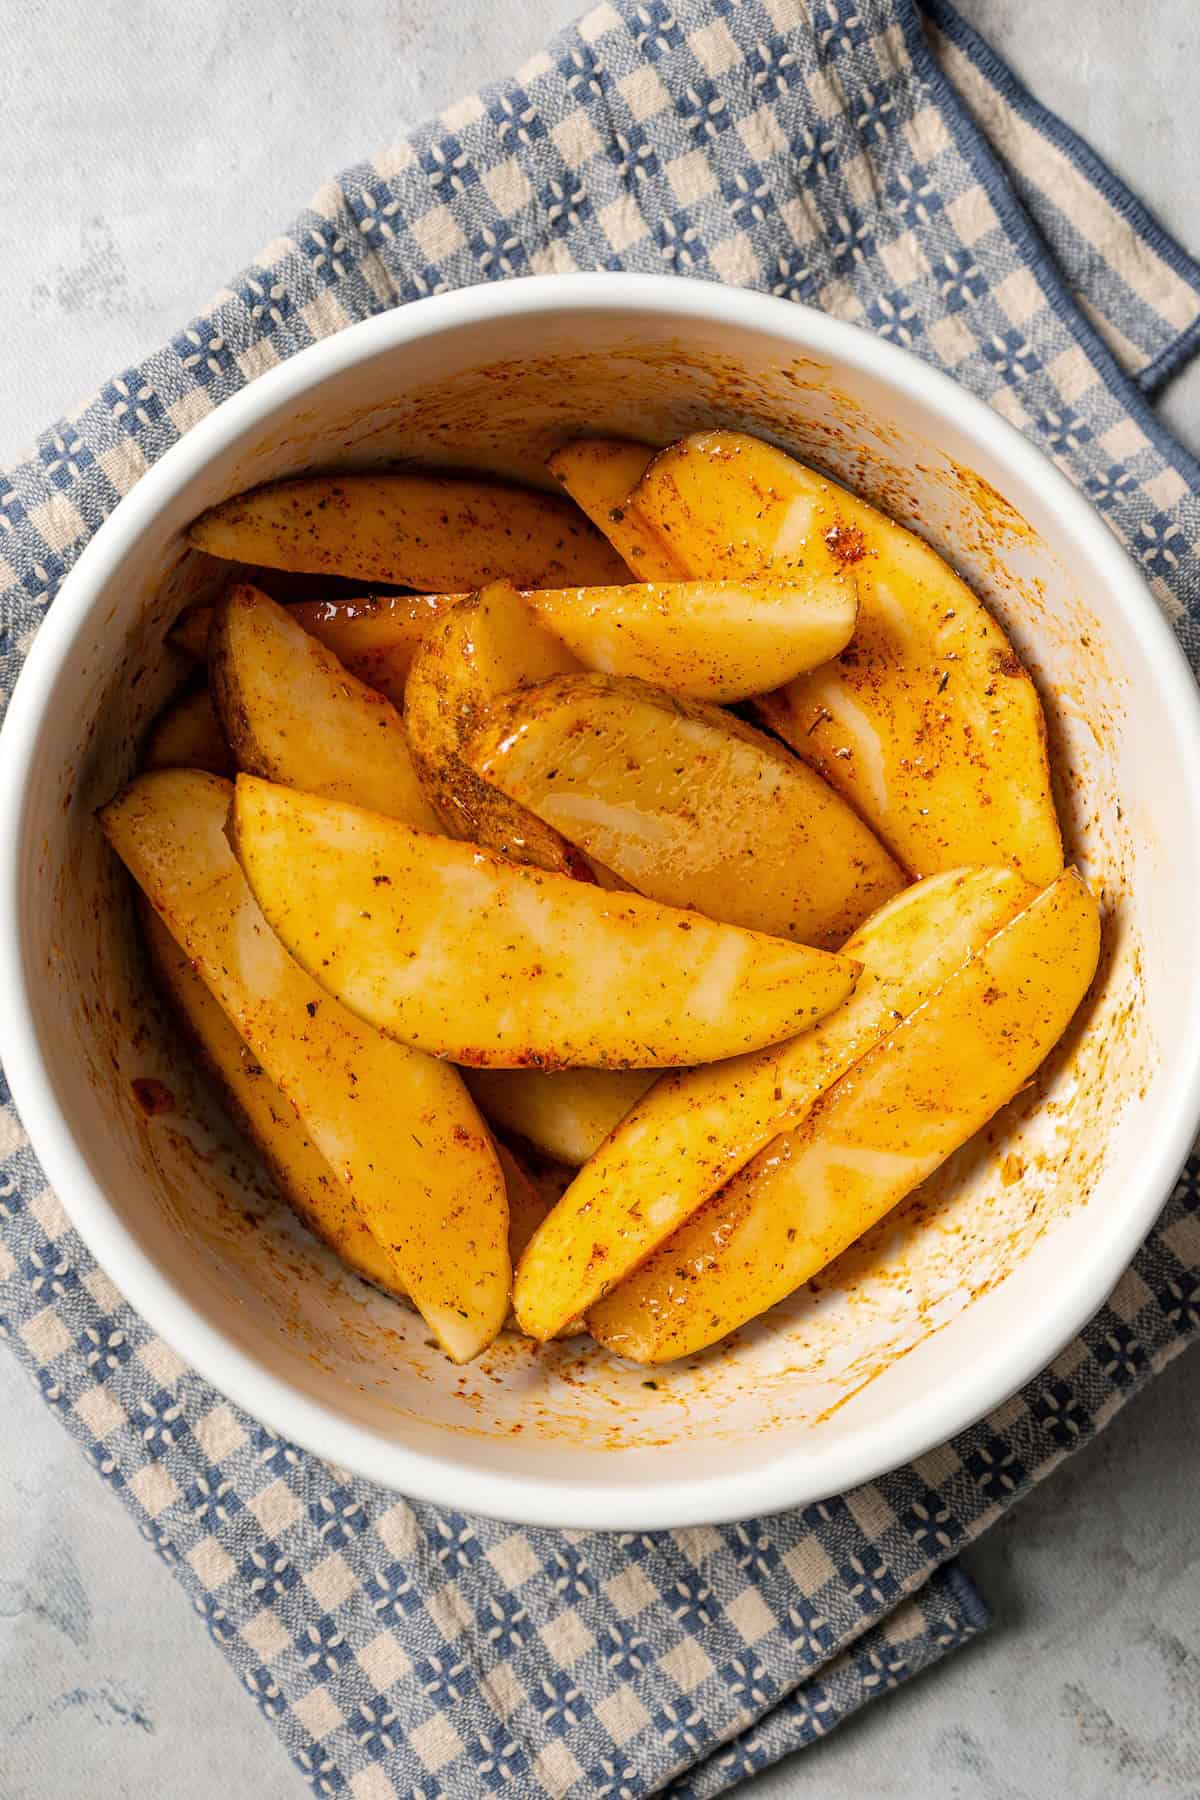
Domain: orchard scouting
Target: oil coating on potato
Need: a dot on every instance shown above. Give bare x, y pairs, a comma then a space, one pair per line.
430, 532
464, 954
887, 1124
688, 805
600, 474
564, 1113
695, 1129
292, 713
398, 1128
926, 721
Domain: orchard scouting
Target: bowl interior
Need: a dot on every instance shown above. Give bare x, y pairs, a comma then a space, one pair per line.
961, 1291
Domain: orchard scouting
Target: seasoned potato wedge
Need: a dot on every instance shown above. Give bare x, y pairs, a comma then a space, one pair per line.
688, 805
696, 1128
711, 640
187, 735
483, 647
399, 1129
599, 474
190, 631
876, 1134
430, 532
462, 953
302, 1175
292, 713
927, 722
564, 1113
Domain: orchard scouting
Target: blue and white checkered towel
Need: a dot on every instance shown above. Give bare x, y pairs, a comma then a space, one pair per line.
875, 161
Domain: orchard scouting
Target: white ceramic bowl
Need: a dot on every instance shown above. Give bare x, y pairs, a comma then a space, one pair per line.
961, 1295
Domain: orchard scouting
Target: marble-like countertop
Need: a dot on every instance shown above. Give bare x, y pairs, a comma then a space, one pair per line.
149, 151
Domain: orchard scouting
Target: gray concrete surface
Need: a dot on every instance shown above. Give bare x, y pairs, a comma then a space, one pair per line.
148, 151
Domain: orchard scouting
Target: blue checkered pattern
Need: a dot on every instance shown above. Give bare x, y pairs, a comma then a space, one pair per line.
882, 166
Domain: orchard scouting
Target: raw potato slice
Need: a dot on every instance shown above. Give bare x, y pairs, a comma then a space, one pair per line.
301, 1173
187, 735
566, 1114
430, 532
464, 954
712, 640
399, 1129
689, 805
599, 474
293, 714
871, 1138
695, 1129
927, 722
482, 648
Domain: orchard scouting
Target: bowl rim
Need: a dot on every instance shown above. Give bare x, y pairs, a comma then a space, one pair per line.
796, 1476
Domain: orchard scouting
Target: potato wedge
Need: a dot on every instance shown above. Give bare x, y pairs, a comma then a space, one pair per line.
430, 532
399, 1129
292, 713
190, 631
462, 953
688, 804
710, 640
927, 722
483, 647
889, 1122
187, 735
599, 474
302, 1175
566, 1114
696, 1128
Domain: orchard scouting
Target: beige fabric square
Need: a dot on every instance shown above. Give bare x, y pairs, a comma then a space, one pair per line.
397, 1529
972, 215
100, 1412
462, 113
687, 1665
904, 259
622, 1715
1073, 373
859, 176
47, 1210
395, 158
257, 359
594, 24
124, 465
785, 15
60, 523
325, 315
1183, 1240
750, 1615
691, 177
714, 47
1166, 489
827, 94
905, 1623
1124, 440
318, 1712
514, 1559
553, 259
276, 1508
1020, 295
189, 409
211, 1562
438, 233
557, 1770
508, 187
567, 1638
219, 1434
372, 1784
697, 1542
45, 1336
630, 1591
762, 134
8, 1263
162, 1362
870, 1511
538, 64
331, 1581
735, 260
436, 1742
576, 139
891, 51
502, 1690
384, 1661
643, 92
1129, 1296
952, 338
1071, 1359
266, 1635
937, 1466
12, 1132
1006, 403
450, 1611
840, 299
622, 222
103, 1291
927, 134
8, 579
809, 1565
154, 1488
800, 219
